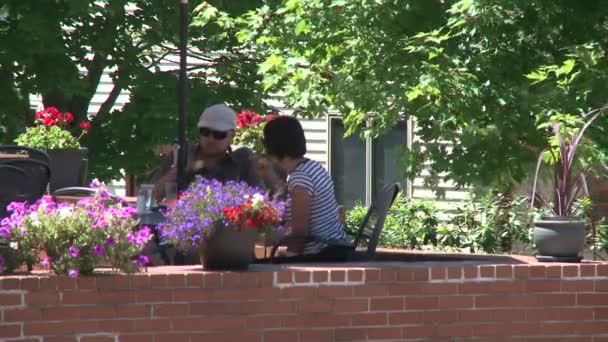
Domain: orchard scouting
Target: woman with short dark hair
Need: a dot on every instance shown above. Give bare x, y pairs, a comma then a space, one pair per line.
312, 208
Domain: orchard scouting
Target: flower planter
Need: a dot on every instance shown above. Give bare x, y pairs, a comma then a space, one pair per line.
560, 239
68, 167
228, 249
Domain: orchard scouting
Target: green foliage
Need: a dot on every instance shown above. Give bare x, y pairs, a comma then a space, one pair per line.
65, 47
457, 67
52, 137
488, 225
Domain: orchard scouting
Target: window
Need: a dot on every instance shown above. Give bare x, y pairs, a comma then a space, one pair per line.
360, 168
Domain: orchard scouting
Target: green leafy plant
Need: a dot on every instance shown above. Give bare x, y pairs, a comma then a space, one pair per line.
51, 131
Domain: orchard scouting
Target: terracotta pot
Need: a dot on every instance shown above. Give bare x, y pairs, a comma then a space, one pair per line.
228, 249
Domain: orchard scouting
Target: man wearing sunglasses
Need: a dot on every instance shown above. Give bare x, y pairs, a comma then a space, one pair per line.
212, 157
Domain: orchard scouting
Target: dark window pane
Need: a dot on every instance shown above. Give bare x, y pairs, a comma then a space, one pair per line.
347, 165
385, 167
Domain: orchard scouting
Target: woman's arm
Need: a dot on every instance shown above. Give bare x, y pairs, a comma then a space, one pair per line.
300, 215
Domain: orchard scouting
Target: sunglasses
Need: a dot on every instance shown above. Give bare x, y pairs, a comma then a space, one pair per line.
205, 132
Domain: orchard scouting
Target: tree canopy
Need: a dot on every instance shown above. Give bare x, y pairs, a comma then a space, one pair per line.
60, 50
472, 73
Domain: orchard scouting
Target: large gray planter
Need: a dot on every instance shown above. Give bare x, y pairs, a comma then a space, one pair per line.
228, 249
559, 239
68, 167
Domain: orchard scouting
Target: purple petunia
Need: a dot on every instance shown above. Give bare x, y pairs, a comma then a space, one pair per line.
98, 250
73, 251
72, 273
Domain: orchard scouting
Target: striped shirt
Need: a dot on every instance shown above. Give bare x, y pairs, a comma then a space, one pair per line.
324, 221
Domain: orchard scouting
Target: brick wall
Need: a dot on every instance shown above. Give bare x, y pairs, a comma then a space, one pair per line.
486, 302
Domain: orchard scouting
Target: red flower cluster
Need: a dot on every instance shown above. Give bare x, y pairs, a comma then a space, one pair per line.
253, 217
247, 117
51, 116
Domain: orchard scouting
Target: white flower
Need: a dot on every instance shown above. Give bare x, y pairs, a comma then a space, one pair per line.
65, 212
34, 217
14, 245
257, 199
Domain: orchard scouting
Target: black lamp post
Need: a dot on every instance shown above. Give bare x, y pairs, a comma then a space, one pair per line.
183, 95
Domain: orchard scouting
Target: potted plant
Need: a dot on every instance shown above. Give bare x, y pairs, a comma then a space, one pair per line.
74, 238
68, 162
221, 221
250, 129
559, 232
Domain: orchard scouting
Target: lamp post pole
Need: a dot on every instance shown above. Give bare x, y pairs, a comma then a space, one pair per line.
182, 95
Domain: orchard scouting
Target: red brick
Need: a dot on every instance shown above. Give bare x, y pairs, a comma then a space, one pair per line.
407, 274
523, 271
158, 280
224, 337
66, 313
173, 337
303, 277
592, 299
602, 270
56, 339
30, 284
316, 336
10, 330
557, 299
504, 272
416, 332
140, 281
570, 271
49, 283
371, 291
136, 338
337, 276
414, 317
183, 295
388, 275
80, 298
577, 285
438, 273
454, 330
600, 313
151, 325
369, 319
213, 280
453, 302
471, 272
169, 310
66, 284
59, 328
231, 280
208, 323
195, 280
41, 298
298, 292
491, 301
284, 277
372, 275
265, 279
601, 286
154, 296
355, 275
384, 333
420, 274
11, 283
25, 314
116, 297
315, 306
351, 305
537, 271
543, 286
263, 322
387, 304
421, 303
487, 271
116, 326
176, 281
317, 320
491, 329
587, 270
335, 291
87, 283
280, 336
11, 299
554, 271
454, 272
113, 283
350, 334
320, 276
97, 339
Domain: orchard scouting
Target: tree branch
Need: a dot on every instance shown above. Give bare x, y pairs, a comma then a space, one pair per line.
110, 101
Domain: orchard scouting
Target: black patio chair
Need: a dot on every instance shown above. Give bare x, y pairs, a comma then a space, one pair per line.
361, 247
38, 173
13, 187
30, 152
